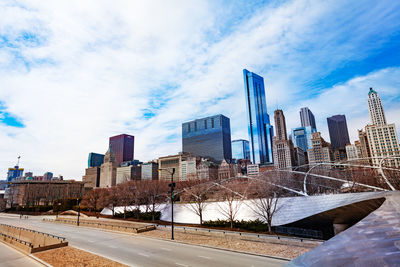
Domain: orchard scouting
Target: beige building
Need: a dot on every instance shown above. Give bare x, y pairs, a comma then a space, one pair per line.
108, 170
227, 170
320, 151
253, 169
382, 137
166, 164
207, 170
283, 149
353, 151
92, 177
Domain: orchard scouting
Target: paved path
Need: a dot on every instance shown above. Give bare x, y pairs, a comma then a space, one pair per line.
10, 257
136, 250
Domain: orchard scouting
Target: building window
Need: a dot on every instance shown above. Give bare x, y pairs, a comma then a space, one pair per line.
189, 127
205, 124
195, 126
212, 122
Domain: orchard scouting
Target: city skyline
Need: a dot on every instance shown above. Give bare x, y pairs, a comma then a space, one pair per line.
52, 115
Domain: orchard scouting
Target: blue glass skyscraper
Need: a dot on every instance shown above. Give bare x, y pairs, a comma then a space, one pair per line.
301, 137
240, 149
208, 137
260, 129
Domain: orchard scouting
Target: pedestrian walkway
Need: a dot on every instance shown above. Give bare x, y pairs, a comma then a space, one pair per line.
11, 257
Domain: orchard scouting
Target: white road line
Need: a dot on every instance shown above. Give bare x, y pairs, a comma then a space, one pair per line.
144, 255
205, 257
180, 264
167, 249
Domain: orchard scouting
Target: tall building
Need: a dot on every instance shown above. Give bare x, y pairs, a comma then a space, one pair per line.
375, 108
353, 152
307, 119
14, 173
301, 137
382, 137
283, 149
260, 129
208, 137
123, 147
320, 151
150, 171
240, 149
95, 159
338, 132
108, 170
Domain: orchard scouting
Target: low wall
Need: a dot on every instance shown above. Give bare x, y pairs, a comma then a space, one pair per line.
28, 240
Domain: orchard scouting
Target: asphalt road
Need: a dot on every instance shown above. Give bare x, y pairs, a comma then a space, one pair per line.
10, 257
136, 250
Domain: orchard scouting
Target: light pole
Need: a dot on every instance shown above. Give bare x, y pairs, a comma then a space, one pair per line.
172, 185
79, 204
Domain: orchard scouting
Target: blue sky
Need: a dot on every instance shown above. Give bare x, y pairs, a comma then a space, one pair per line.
76, 72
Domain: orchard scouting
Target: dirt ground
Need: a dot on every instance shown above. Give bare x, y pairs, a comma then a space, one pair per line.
70, 256
285, 251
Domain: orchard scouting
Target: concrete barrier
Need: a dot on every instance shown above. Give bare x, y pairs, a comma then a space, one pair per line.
28, 240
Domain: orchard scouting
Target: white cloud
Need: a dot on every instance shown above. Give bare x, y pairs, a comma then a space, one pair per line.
100, 65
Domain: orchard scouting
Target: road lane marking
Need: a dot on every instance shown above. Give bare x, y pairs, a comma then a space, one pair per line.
180, 264
205, 257
144, 255
167, 249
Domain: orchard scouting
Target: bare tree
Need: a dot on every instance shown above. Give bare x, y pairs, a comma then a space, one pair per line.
197, 196
92, 199
156, 194
265, 199
232, 196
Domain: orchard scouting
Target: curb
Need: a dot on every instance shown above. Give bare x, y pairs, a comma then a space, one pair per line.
219, 248
39, 260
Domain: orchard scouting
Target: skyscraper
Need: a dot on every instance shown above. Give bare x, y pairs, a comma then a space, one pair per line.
382, 138
282, 147
260, 129
320, 151
338, 132
208, 137
95, 159
375, 108
240, 149
301, 137
307, 119
123, 146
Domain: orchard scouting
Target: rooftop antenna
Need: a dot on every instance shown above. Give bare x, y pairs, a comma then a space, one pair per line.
18, 160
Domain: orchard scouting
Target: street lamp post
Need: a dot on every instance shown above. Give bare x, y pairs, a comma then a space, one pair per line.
79, 204
172, 185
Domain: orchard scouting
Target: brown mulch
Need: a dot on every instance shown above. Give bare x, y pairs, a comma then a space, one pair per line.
270, 249
70, 256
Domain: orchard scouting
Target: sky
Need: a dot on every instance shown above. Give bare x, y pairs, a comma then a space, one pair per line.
73, 73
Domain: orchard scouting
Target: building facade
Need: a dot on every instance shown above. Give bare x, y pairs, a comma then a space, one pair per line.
353, 152
227, 170
91, 178
208, 137
14, 173
95, 159
338, 132
301, 137
382, 137
123, 147
375, 108
150, 171
108, 170
240, 149
283, 148
259, 127
166, 164
321, 150
207, 170
307, 119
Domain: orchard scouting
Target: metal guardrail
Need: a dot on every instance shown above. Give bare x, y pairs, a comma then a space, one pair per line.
299, 231
26, 243
34, 231
244, 234
102, 224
